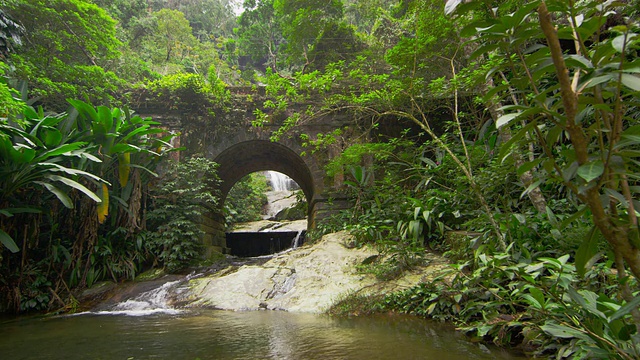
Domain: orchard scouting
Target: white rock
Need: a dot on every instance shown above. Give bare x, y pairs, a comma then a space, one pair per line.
309, 279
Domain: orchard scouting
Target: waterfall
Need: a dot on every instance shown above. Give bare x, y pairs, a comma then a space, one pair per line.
296, 241
150, 302
279, 181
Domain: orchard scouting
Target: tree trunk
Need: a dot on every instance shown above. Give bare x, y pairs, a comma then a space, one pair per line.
617, 235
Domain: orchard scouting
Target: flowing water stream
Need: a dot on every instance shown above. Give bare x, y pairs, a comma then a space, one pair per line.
146, 326
210, 334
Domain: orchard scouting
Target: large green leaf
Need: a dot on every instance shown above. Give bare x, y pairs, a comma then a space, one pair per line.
143, 168
82, 153
75, 185
8, 242
578, 61
105, 118
596, 81
591, 170
84, 109
142, 131
506, 119
562, 331
22, 155
631, 81
12, 211
51, 137
70, 171
588, 300
59, 151
535, 298
122, 148
530, 188
622, 42
61, 195
528, 166
358, 173
626, 309
42, 122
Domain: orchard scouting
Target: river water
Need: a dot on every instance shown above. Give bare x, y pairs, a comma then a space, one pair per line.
140, 322
214, 334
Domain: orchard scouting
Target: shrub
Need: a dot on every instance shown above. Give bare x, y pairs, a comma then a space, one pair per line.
181, 197
246, 199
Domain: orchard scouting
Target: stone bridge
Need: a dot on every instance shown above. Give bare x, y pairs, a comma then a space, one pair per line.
226, 136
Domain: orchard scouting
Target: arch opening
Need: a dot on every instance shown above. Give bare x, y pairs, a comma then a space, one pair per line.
265, 195
248, 157
268, 159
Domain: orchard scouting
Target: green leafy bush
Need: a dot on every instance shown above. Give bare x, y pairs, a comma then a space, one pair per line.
185, 193
10, 103
246, 199
540, 305
181, 90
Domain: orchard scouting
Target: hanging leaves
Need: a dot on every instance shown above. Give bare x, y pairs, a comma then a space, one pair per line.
103, 207
124, 160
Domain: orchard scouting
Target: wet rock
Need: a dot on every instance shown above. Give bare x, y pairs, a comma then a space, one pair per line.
97, 292
292, 213
309, 279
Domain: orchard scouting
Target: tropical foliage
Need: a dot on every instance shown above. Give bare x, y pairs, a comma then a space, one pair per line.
70, 55
527, 160
246, 199
520, 161
71, 183
185, 193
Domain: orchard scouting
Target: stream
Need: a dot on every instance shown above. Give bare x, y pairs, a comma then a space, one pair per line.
214, 334
148, 326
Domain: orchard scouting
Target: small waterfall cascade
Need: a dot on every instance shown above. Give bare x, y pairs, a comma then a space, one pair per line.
154, 301
279, 181
282, 195
296, 241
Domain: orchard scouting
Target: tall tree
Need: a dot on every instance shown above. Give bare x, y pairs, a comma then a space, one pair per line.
124, 10
209, 18
259, 34
174, 33
67, 51
165, 39
365, 14
10, 34
303, 23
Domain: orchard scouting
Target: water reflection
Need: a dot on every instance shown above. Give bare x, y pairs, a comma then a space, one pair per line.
234, 335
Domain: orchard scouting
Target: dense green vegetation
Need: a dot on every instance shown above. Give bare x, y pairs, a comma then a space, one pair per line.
521, 164
186, 191
246, 199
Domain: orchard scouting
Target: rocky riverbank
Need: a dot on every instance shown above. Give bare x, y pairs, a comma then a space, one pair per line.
308, 279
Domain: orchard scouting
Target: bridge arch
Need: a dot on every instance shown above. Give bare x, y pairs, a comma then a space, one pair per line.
247, 157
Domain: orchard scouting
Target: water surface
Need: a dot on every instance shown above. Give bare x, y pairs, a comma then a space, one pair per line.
210, 334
